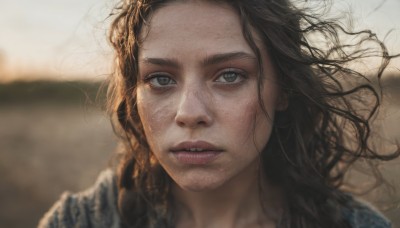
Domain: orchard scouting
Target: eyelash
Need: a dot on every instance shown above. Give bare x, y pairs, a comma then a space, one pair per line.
238, 73
156, 76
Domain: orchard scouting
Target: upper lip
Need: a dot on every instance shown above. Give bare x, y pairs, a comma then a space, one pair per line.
194, 146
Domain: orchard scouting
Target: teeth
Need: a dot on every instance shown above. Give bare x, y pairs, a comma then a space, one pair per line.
195, 149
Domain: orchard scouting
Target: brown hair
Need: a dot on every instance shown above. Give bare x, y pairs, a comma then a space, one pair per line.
308, 152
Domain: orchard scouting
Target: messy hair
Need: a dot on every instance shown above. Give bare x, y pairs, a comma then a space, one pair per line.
314, 141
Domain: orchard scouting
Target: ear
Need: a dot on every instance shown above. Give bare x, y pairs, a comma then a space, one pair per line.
282, 101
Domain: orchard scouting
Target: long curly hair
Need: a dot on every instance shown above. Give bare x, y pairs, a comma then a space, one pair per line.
323, 131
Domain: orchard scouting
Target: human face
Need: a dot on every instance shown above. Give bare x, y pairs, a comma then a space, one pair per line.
197, 95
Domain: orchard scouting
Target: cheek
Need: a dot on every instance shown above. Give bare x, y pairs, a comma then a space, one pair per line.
155, 117
238, 119
247, 123
263, 128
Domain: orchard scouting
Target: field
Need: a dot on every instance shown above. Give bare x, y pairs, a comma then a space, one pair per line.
56, 137
53, 138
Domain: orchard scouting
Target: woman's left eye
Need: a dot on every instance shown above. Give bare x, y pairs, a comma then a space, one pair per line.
230, 77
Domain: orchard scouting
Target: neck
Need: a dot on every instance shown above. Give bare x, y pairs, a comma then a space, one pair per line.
242, 202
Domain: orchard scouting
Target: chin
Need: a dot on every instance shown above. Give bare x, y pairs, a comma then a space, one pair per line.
200, 184
198, 188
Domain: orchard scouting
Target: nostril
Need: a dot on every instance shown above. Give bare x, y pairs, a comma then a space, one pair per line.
202, 122
193, 111
191, 121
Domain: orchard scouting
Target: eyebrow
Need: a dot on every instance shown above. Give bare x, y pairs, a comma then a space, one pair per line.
209, 60
162, 62
223, 57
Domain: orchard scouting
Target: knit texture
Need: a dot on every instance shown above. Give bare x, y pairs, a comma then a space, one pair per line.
364, 215
93, 208
97, 208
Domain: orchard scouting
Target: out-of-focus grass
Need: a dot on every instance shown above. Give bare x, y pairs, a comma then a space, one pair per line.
52, 92
54, 137
391, 87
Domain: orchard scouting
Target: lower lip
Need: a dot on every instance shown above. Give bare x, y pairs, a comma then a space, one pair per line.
196, 158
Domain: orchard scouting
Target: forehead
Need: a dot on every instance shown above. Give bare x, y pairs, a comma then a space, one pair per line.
198, 26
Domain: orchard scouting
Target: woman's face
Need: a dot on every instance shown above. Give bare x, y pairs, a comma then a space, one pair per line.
197, 95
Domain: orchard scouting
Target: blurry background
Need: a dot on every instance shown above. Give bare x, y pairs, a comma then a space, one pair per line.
54, 133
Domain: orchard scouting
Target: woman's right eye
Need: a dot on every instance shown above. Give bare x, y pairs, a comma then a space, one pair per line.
158, 81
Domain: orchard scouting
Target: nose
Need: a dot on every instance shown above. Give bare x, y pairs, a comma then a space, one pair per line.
194, 109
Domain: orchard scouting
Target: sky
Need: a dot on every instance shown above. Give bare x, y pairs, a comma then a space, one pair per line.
54, 38
66, 39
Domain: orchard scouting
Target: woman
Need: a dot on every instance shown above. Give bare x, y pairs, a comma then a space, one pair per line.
231, 117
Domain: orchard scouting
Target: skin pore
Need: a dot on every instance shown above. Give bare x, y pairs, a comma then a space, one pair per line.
197, 90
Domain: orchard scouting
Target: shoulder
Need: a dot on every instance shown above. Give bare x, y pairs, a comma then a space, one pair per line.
95, 207
361, 214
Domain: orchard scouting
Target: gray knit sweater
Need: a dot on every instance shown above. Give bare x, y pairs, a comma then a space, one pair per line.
97, 208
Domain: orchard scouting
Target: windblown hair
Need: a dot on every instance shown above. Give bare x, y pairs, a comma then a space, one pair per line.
314, 141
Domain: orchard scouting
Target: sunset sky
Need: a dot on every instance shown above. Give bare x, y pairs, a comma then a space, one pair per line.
65, 39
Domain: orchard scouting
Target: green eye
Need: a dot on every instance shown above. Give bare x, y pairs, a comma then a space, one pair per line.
160, 81
230, 77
